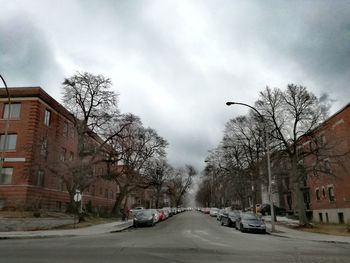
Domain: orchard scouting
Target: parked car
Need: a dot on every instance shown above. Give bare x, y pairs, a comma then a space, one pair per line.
135, 210
144, 217
220, 213
206, 210
156, 215
265, 209
213, 211
161, 214
230, 218
251, 223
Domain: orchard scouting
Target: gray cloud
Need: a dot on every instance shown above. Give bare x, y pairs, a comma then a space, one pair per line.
26, 56
175, 63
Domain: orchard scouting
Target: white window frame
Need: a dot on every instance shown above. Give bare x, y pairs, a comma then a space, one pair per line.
40, 178
10, 138
6, 171
15, 111
47, 117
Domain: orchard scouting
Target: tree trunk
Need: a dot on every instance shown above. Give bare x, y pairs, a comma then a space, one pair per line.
118, 202
71, 206
158, 190
299, 196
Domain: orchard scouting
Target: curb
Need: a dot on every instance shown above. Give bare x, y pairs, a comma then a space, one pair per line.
122, 228
312, 240
42, 236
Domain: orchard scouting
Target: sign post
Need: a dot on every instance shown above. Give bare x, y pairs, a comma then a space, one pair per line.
77, 199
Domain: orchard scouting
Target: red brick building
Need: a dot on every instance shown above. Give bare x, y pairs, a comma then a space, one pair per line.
40, 134
324, 164
329, 178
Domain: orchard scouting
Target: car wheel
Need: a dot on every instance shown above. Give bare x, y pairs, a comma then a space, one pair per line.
264, 231
241, 228
222, 222
135, 225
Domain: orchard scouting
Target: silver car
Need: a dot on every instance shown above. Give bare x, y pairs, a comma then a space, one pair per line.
249, 222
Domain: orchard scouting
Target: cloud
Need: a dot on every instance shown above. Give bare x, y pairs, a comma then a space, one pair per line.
26, 55
176, 63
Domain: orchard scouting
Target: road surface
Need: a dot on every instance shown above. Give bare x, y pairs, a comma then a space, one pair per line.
187, 237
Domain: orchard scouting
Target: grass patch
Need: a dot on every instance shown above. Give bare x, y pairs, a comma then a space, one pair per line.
330, 229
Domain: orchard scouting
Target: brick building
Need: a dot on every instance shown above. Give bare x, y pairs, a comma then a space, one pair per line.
324, 164
41, 134
329, 177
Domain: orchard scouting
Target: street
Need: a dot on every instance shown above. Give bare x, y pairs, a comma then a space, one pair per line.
187, 237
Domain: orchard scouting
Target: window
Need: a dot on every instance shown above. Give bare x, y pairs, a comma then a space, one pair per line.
40, 178
11, 141
318, 197
65, 129
323, 192
14, 113
331, 195
47, 117
6, 175
63, 154
44, 147
71, 131
106, 193
71, 156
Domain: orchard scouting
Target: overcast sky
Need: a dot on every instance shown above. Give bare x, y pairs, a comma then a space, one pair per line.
176, 63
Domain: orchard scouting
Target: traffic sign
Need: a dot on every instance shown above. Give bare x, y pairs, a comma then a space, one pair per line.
77, 196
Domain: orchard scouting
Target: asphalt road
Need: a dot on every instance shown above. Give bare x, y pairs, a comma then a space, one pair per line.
188, 237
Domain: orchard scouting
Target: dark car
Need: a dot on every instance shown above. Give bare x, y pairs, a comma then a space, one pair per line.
265, 209
251, 223
144, 217
229, 218
219, 215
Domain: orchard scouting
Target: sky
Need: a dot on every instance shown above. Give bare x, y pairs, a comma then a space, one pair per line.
175, 63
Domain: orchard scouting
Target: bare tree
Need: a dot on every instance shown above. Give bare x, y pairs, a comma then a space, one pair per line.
130, 152
245, 135
290, 114
180, 183
157, 172
93, 106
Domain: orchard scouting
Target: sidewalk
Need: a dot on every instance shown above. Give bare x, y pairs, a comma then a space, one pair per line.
87, 231
284, 231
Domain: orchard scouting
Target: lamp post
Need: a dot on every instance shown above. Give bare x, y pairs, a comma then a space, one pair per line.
6, 125
267, 142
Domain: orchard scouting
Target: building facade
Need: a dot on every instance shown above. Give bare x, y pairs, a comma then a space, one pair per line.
328, 176
40, 135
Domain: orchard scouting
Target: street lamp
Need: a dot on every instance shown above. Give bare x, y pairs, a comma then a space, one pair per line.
267, 142
6, 125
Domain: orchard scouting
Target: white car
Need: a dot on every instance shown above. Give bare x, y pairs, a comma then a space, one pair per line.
213, 211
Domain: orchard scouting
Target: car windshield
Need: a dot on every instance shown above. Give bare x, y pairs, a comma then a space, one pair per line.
144, 213
233, 213
249, 217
